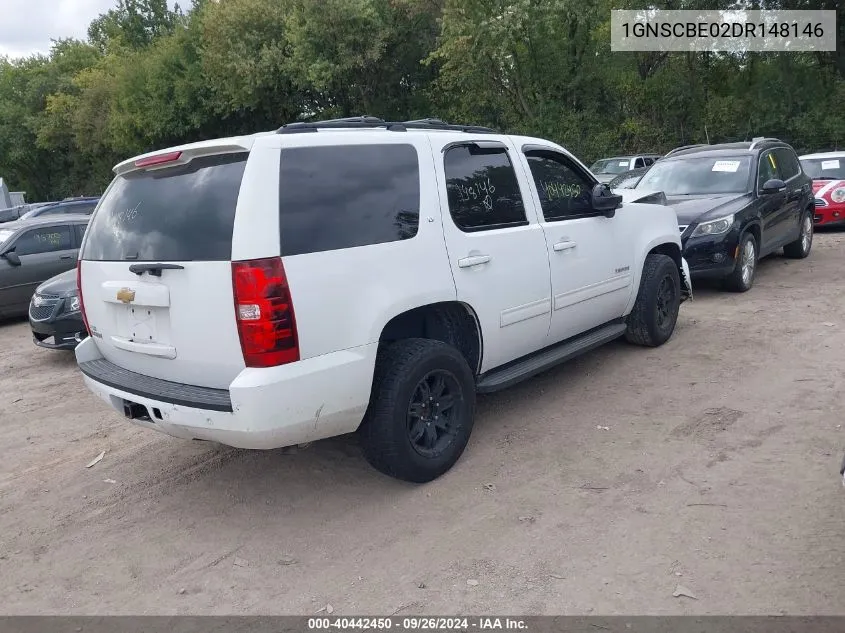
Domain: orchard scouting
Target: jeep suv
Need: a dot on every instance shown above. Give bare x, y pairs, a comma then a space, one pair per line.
355, 274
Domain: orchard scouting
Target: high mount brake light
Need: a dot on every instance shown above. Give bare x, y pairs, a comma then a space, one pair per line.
158, 159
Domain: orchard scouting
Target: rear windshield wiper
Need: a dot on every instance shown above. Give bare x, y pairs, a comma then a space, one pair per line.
153, 269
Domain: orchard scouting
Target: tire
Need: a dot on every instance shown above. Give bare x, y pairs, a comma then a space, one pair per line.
800, 248
742, 277
414, 446
655, 312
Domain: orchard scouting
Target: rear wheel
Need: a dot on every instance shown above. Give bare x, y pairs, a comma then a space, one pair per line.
655, 312
421, 410
800, 248
742, 277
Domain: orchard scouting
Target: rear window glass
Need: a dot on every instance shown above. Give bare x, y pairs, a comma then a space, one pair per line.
345, 196
183, 213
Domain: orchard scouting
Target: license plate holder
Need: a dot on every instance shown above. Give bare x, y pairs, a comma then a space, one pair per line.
141, 322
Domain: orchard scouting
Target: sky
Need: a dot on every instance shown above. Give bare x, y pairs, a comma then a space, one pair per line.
26, 26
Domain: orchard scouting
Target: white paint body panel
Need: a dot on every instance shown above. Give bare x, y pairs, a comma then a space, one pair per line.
525, 296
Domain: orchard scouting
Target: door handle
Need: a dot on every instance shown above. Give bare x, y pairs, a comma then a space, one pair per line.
64, 257
564, 246
474, 260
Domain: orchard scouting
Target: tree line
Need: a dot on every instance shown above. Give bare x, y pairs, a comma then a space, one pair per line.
148, 77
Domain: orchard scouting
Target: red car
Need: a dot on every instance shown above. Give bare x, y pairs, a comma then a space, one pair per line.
828, 173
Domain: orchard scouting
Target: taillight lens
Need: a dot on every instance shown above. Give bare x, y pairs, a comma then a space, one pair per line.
264, 313
79, 294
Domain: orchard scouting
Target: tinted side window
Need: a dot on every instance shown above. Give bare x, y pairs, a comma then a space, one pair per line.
564, 191
482, 188
44, 240
768, 169
80, 232
346, 196
788, 163
180, 213
639, 163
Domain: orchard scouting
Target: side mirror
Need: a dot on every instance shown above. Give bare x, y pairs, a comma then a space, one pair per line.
12, 258
605, 201
775, 185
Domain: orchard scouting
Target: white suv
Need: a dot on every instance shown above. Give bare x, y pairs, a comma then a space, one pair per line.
270, 290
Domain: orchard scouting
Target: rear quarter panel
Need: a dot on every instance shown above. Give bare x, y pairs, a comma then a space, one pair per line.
343, 298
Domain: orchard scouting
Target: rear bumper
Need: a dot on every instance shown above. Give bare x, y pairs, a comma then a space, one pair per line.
262, 409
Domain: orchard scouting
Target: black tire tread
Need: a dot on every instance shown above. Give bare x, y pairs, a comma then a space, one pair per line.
639, 330
733, 282
393, 363
795, 250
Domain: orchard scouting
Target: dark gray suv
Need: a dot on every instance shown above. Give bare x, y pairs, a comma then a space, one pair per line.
32, 251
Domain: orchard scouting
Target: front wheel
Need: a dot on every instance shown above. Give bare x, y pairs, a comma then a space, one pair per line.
655, 312
800, 248
742, 277
421, 410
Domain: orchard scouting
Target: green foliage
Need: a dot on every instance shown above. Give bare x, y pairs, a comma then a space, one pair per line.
149, 77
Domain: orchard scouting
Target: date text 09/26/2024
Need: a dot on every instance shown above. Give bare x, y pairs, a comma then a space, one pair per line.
417, 624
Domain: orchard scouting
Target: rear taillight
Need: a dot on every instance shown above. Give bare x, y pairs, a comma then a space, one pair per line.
158, 159
79, 294
264, 313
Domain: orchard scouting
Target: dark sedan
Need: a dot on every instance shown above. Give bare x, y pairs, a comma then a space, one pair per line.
736, 203
32, 251
54, 313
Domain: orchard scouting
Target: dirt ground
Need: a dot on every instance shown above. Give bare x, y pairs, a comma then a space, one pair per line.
596, 488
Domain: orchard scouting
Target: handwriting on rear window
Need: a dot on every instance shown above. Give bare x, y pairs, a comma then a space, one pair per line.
127, 216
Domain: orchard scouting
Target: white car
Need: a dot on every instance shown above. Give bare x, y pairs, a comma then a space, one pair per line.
270, 290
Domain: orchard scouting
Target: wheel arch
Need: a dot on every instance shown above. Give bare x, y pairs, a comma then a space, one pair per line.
452, 322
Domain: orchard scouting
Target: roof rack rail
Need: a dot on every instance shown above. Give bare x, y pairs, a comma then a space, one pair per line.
762, 139
370, 122
683, 148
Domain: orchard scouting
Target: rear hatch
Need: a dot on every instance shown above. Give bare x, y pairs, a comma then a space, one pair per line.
156, 269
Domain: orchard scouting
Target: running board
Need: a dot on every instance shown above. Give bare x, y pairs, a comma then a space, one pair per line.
538, 362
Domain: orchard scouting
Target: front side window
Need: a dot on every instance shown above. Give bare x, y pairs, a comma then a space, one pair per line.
482, 188
46, 239
565, 192
768, 169
338, 197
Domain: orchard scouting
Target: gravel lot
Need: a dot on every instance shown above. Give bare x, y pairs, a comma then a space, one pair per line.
717, 470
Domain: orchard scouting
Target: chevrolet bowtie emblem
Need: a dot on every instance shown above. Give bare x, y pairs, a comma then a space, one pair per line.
126, 295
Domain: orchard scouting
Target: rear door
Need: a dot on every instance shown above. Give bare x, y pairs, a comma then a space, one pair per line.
797, 191
497, 251
173, 318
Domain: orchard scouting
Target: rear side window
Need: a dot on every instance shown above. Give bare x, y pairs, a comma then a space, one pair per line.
45, 239
482, 188
788, 162
345, 196
181, 213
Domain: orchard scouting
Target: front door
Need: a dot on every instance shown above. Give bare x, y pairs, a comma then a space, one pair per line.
44, 251
590, 257
497, 251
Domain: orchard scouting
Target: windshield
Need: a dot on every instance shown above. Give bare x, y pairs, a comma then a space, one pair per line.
610, 166
824, 168
5, 235
698, 176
